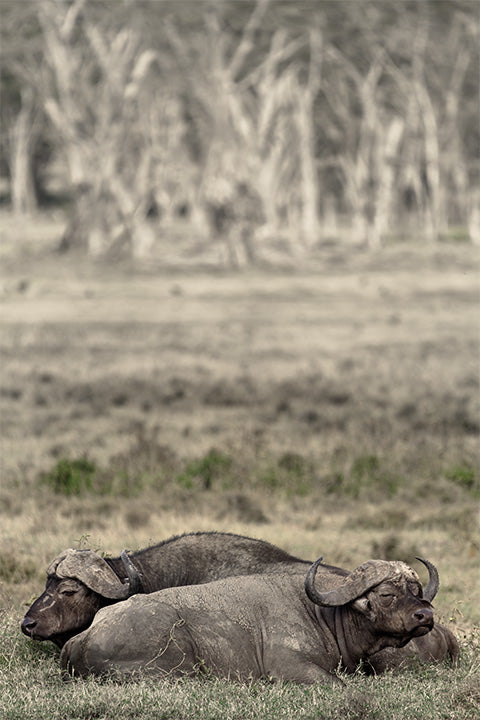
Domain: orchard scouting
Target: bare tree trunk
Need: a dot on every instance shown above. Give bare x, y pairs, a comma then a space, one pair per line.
357, 158
435, 208
109, 137
308, 169
454, 162
305, 117
386, 173
23, 195
473, 220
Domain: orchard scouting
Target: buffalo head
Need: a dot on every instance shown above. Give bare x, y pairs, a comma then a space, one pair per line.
79, 583
389, 595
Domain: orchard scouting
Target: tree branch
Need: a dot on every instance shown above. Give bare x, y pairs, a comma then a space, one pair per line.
246, 42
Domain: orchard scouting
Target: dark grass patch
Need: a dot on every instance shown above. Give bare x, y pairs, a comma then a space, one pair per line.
70, 476
465, 477
149, 464
367, 478
203, 471
392, 547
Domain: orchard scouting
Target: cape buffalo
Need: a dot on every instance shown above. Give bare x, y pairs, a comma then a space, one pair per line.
260, 625
80, 582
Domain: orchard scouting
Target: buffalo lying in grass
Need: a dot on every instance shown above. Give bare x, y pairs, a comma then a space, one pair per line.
260, 625
80, 582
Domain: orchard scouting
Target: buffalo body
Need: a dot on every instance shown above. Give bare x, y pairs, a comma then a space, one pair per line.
80, 582
259, 626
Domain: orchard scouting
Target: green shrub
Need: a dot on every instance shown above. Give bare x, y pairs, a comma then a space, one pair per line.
268, 478
205, 470
70, 477
365, 467
291, 473
463, 476
295, 464
366, 479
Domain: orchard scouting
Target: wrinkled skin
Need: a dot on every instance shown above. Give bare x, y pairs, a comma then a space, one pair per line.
67, 606
248, 628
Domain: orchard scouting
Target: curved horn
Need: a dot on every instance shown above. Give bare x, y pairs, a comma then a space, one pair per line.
93, 571
357, 583
134, 579
310, 581
433, 580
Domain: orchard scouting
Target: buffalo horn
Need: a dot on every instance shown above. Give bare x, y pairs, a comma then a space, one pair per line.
360, 580
52, 568
134, 579
433, 580
92, 571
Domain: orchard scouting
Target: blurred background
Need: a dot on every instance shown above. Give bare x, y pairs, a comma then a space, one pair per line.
242, 131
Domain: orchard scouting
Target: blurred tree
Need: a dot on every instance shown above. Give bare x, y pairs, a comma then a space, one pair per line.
390, 113
114, 121
255, 94
245, 114
22, 121
434, 60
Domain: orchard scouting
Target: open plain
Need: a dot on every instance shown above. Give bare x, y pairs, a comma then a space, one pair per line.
331, 409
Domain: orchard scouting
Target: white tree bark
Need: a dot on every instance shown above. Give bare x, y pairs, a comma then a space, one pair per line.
388, 151
21, 139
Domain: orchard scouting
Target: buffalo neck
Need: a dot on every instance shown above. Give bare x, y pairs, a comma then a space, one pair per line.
351, 633
358, 638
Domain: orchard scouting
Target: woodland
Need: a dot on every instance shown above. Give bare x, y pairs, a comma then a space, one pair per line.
242, 129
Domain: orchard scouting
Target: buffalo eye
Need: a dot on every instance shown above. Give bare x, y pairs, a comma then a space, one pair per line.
68, 590
387, 598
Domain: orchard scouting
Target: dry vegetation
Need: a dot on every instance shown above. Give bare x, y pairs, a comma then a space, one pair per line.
331, 410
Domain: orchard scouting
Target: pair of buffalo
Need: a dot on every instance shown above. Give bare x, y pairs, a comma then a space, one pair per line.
236, 607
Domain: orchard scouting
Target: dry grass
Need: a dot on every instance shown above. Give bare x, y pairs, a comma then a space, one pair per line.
344, 397
31, 689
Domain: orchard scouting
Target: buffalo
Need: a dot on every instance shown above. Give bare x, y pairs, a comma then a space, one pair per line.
436, 646
80, 582
278, 625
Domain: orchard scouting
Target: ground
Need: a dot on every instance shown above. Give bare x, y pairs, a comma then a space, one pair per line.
331, 408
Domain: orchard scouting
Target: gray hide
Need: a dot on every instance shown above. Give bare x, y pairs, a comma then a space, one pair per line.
257, 626
80, 582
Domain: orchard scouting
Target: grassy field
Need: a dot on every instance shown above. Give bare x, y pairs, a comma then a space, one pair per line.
331, 410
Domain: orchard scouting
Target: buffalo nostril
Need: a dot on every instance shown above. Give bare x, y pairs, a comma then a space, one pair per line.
28, 625
423, 616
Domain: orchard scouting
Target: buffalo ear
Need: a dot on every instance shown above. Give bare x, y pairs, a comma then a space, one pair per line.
94, 572
364, 606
